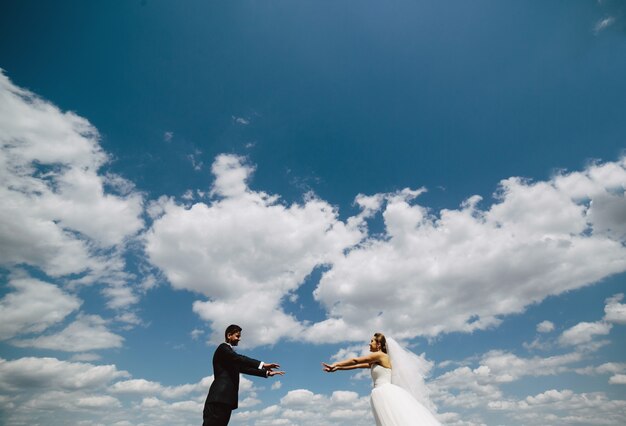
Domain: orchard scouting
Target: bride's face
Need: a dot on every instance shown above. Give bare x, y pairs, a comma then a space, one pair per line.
374, 345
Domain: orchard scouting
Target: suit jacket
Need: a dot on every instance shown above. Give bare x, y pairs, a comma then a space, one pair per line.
227, 364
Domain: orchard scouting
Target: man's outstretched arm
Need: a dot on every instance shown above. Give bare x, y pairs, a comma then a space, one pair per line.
262, 372
248, 365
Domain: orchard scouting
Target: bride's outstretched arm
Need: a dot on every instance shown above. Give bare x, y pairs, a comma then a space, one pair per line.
352, 363
331, 368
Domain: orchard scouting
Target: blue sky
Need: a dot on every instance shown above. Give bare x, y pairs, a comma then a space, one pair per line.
449, 173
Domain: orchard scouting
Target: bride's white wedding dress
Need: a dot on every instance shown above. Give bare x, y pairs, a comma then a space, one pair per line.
394, 406
399, 396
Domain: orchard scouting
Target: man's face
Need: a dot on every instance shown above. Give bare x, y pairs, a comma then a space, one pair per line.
234, 338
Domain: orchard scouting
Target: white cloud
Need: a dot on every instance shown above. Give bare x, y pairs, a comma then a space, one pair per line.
139, 401
615, 369
614, 311
155, 411
119, 296
58, 213
249, 402
505, 367
584, 332
43, 385
129, 318
479, 390
563, 407
606, 368
480, 387
27, 374
86, 333
545, 327
85, 357
173, 405
59, 401
550, 396
101, 401
301, 407
614, 12
195, 162
188, 195
353, 351
245, 250
462, 270
196, 333
139, 386
82, 393
299, 398
148, 388
604, 23
241, 120
33, 307
618, 379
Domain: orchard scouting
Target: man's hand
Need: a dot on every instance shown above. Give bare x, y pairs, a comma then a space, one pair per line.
270, 365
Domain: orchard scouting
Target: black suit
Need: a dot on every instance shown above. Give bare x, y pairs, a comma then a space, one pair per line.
223, 395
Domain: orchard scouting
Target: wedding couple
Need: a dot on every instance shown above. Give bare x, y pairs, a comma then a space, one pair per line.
399, 396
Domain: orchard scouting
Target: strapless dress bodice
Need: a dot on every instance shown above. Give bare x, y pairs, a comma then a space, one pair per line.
380, 375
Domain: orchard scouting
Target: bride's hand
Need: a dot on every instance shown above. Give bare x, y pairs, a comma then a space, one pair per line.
329, 368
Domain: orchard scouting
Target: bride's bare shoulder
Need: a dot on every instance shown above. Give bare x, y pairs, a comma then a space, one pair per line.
385, 361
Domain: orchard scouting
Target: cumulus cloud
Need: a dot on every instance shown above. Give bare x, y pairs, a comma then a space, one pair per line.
245, 249
464, 269
427, 273
139, 386
31, 373
614, 311
33, 306
172, 405
618, 379
77, 393
149, 388
301, 407
86, 333
584, 332
613, 368
545, 327
72, 391
479, 388
196, 333
59, 212
495, 368
563, 407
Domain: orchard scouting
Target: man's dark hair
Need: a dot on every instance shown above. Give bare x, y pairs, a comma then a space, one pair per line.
231, 329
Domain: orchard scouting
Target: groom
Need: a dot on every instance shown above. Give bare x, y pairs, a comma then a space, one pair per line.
227, 364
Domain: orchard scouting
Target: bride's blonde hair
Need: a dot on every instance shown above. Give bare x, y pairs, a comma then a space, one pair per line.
380, 338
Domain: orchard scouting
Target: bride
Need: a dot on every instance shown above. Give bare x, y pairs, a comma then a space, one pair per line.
399, 397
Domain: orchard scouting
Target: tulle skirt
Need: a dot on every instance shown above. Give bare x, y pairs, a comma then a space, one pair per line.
393, 406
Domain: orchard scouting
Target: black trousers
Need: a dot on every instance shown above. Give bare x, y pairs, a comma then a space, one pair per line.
216, 414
